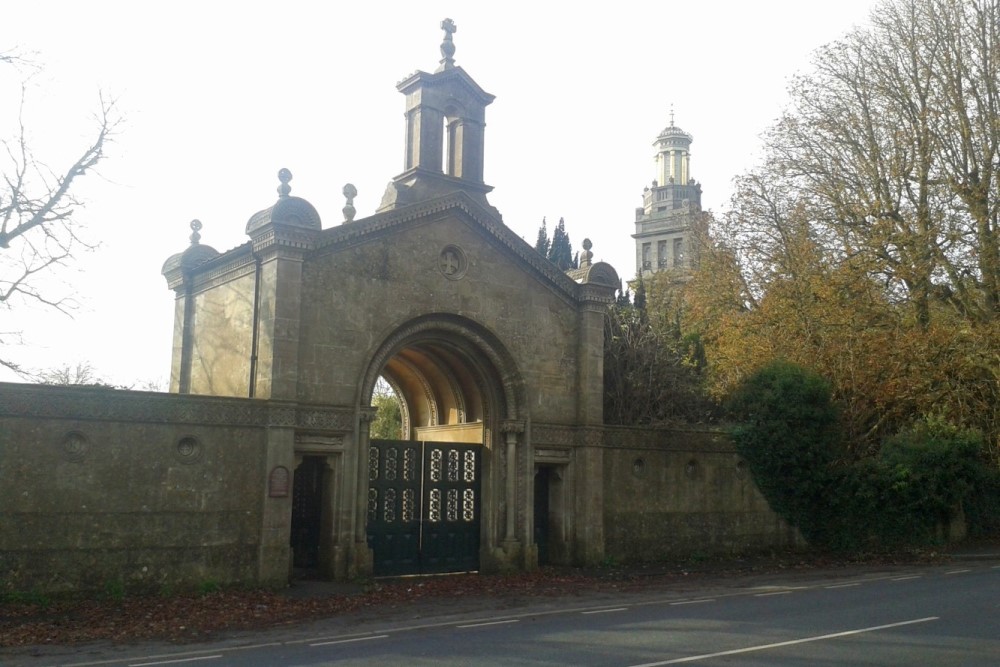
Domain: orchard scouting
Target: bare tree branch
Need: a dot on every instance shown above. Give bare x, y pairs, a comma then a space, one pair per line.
38, 228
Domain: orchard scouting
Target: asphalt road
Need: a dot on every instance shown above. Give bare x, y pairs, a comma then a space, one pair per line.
932, 615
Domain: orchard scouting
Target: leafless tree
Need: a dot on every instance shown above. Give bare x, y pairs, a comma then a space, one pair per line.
38, 203
890, 146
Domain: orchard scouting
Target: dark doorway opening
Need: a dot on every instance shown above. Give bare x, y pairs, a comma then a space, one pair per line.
307, 511
542, 517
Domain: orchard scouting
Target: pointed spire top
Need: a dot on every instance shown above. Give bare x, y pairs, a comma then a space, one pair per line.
284, 189
448, 46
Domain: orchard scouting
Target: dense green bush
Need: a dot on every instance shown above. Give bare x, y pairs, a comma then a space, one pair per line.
982, 506
905, 495
788, 437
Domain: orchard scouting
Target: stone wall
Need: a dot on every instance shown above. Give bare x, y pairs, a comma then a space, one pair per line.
108, 490
677, 493
102, 488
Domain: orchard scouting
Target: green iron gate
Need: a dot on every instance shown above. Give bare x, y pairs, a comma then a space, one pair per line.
424, 506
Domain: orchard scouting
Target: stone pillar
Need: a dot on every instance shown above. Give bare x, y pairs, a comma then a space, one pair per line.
274, 552
278, 325
514, 477
589, 502
590, 355
589, 455
361, 560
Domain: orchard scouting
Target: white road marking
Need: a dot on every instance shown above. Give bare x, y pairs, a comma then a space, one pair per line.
958, 571
253, 646
906, 578
479, 625
792, 642
348, 641
766, 595
174, 662
603, 611
856, 583
699, 601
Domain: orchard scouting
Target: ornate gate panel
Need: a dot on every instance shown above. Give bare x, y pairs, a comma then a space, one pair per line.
424, 506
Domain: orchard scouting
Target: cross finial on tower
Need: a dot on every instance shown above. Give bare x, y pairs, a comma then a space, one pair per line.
448, 46
671, 114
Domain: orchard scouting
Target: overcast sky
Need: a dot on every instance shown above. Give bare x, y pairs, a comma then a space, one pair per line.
217, 96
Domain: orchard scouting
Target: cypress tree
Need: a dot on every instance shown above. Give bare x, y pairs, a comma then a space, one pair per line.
560, 250
542, 242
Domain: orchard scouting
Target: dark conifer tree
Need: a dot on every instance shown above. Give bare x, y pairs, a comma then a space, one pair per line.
560, 250
640, 296
542, 242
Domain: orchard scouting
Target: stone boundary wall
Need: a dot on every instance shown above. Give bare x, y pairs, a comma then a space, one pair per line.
110, 490
672, 493
103, 489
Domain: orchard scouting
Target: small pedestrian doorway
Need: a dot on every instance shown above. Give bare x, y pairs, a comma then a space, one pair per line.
424, 506
541, 513
307, 512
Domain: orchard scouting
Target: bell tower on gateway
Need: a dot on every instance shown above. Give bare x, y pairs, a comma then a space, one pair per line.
670, 206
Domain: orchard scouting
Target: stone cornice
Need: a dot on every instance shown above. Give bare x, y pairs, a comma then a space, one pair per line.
545, 435
99, 404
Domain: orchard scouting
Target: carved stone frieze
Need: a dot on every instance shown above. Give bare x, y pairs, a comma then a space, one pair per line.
512, 426
552, 434
88, 403
551, 455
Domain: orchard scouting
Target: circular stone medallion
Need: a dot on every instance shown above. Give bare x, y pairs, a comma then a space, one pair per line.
188, 450
452, 263
75, 446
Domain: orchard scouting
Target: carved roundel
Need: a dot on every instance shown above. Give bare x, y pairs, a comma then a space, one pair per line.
189, 450
452, 262
75, 446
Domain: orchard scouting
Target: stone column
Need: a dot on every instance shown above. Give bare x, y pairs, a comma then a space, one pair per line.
361, 562
512, 544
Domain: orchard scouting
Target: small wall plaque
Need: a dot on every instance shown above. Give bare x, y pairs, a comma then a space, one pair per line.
278, 483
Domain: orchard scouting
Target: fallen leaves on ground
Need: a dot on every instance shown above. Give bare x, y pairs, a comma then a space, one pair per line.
193, 617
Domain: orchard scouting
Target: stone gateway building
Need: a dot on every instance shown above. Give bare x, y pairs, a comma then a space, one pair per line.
260, 459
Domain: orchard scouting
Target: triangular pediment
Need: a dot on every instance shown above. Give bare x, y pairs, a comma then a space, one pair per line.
457, 204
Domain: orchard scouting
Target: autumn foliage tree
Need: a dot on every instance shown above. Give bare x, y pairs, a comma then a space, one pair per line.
865, 245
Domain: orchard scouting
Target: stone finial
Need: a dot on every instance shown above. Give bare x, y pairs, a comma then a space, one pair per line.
448, 46
195, 229
284, 176
350, 192
586, 256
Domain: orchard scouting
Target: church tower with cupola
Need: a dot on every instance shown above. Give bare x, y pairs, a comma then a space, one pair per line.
670, 207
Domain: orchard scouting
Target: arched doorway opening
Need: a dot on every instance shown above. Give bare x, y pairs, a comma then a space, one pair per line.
436, 496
